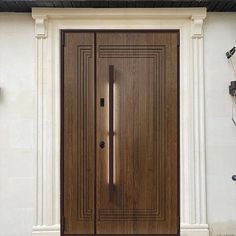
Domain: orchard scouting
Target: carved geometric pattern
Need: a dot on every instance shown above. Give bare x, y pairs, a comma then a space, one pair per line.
157, 53
84, 210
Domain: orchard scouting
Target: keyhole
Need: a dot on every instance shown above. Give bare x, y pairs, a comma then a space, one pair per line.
102, 144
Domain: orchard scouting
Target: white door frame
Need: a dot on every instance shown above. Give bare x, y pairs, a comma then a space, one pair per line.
48, 23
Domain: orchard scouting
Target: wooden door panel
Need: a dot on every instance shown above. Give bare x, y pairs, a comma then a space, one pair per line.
78, 133
145, 196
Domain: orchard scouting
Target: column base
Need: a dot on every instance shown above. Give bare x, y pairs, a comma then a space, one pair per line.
186, 230
44, 230
194, 230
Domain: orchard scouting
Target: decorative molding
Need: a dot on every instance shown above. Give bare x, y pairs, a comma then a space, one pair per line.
41, 26
52, 230
199, 192
84, 210
156, 53
194, 230
196, 26
48, 23
117, 13
39, 130
46, 233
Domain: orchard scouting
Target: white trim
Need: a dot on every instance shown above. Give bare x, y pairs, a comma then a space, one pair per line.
194, 230
46, 233
41, 27
119, 13
53, 230
48, 23
186, 230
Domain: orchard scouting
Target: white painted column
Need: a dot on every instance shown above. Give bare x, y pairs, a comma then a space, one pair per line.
46, 198
193, 181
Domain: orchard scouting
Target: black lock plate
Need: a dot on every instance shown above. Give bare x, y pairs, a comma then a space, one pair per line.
102, 102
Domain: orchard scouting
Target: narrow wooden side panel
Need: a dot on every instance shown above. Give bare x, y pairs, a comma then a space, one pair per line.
79, 131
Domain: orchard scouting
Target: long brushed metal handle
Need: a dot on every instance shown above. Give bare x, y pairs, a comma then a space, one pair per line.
111, 129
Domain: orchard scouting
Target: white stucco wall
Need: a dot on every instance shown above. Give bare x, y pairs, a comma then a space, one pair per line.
16, 124
220, 36
17, 110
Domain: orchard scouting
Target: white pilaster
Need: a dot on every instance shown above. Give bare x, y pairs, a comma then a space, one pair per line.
195, 216
46, 221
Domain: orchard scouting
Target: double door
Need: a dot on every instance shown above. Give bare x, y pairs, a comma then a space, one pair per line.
120, 137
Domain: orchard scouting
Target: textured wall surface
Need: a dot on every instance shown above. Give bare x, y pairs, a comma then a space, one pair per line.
17, 120
220, 36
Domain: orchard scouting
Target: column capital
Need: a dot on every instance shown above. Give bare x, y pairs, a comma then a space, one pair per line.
197, 26
40, 26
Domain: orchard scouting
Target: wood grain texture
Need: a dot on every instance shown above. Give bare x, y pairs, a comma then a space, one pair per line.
146, 133
145, 197
79, 131
26, 5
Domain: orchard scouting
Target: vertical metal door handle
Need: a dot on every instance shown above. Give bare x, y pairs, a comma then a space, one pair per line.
111, 131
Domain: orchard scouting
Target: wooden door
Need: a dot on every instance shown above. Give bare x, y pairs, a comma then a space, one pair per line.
121, 134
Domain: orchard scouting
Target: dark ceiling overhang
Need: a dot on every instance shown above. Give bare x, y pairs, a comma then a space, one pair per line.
26, 5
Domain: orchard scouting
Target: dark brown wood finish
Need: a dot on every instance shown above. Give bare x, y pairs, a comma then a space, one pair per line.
26, 5
145, 133
145, 196
78, 132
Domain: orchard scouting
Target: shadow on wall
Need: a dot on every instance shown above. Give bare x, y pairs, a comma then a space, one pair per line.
227, 228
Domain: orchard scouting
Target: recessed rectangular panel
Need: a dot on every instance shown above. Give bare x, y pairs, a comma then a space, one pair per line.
79, 133
145, 133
